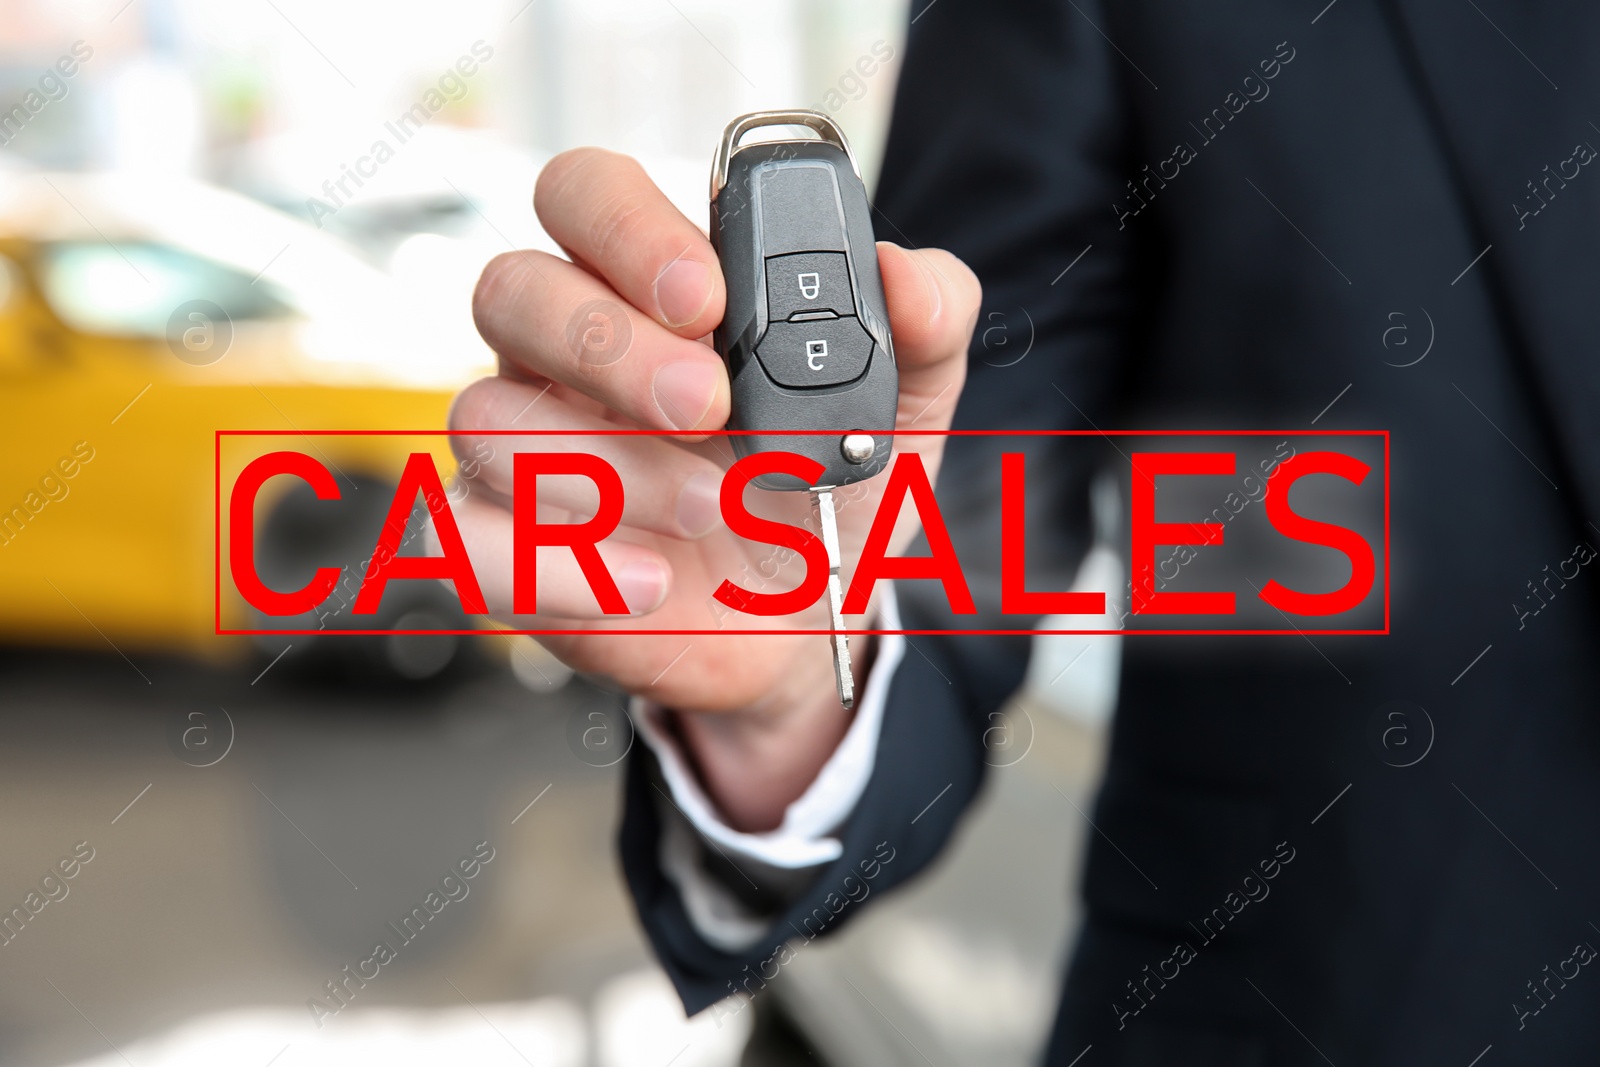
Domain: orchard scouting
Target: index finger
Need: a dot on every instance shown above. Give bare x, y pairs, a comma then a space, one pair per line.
604, 210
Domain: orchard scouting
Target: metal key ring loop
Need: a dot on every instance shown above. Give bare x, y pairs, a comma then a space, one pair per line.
825, 128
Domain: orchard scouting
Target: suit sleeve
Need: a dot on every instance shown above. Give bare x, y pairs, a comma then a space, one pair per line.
1007, 147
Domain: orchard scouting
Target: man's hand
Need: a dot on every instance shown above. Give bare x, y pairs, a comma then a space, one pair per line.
759, 713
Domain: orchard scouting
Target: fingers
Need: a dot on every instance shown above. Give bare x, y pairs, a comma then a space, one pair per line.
642, 575
557, 321
666, 489
606, 211
933, 303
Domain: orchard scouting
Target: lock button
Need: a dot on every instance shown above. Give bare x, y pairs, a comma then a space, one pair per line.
808, 281
804, 355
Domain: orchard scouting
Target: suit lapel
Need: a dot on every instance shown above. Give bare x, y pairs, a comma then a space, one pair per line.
1515, 98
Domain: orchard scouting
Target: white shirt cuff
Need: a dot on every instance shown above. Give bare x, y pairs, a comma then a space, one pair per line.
805, 837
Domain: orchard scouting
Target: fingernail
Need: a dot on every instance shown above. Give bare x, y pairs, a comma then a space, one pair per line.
643, 586
683, 289
684, 392
700, 505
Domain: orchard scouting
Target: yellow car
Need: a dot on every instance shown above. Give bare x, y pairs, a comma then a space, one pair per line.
137, 317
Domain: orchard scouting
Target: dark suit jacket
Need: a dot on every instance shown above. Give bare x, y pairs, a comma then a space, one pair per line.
1391, 148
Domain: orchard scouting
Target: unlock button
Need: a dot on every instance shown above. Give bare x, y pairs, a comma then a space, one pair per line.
808, 281
803, 355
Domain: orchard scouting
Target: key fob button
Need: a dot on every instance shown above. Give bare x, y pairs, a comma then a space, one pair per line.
800, 206
808, 281
804, 355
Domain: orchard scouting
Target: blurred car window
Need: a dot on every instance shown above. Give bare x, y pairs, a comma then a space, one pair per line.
131, 289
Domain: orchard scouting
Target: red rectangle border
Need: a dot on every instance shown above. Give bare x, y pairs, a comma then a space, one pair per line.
641, 632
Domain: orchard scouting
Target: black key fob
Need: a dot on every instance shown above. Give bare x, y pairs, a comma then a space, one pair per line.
806, 332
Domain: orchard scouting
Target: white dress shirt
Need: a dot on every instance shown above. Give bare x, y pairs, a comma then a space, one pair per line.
805, 839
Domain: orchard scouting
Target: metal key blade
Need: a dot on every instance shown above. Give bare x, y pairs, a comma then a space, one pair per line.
841, 643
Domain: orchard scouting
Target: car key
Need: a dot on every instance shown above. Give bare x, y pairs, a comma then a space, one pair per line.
806, 331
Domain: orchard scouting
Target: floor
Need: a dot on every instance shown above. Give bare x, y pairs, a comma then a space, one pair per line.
251, 841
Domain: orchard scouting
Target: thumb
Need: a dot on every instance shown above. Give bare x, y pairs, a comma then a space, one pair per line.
933, 301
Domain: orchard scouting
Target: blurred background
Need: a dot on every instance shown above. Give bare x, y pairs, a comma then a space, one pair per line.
269, 214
